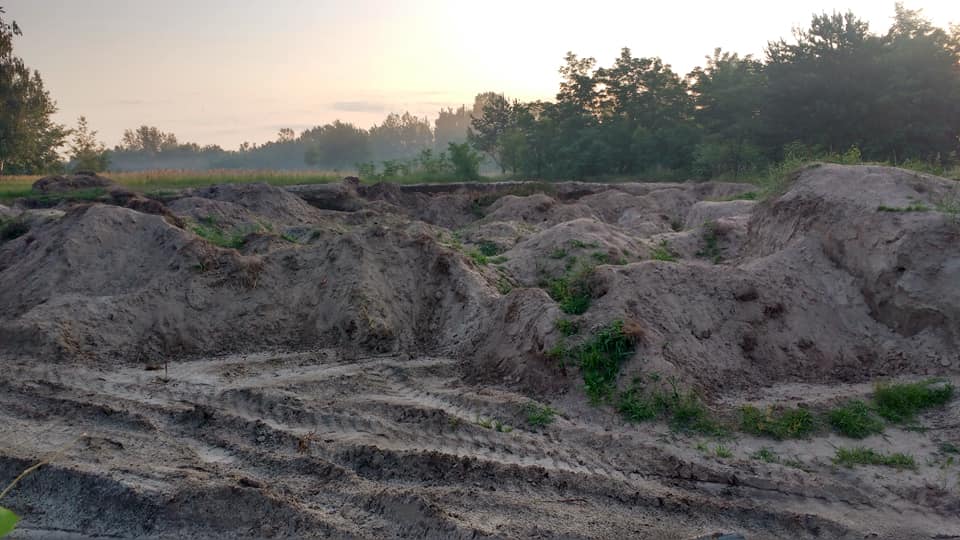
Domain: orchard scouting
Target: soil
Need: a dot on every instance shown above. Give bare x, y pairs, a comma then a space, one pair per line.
350, 361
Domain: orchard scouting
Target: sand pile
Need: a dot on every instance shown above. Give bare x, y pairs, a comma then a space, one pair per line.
370, 339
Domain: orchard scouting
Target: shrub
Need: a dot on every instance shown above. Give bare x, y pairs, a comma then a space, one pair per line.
600, 359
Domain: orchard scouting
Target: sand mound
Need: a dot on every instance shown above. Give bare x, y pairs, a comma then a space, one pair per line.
360, 361
63, 183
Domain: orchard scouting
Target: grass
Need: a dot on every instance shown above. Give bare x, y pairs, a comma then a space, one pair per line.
600, 359
748, 196
855, 419
539, 415
478, 257
780, 424
663, 253
766, 455
558, 253
568, 327
685, 411
722, 451
910, 208
848, 457
902, 402
572, 291
211, 232
489, 249
504, 286
12, 187
711, 243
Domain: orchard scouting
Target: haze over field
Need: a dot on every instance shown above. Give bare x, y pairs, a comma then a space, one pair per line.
224, 72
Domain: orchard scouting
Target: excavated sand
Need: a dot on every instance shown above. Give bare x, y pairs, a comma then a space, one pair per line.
333, 376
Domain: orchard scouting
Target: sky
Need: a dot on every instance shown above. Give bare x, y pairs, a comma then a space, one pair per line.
228, 71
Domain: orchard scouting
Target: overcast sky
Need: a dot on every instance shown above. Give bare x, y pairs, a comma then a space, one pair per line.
228, 71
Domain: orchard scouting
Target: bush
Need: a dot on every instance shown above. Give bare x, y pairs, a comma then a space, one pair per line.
466, 162
600, 359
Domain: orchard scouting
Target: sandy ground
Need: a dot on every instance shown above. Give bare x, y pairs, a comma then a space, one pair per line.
350, 372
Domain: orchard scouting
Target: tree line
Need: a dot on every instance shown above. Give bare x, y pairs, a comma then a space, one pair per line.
831, 87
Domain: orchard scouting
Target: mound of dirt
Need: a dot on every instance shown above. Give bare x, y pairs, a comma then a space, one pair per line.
385, 361
64, 183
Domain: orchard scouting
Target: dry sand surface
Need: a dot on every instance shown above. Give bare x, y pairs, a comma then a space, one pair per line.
353, 367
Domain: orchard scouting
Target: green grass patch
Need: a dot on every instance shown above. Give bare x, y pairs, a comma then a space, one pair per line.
848, 457
572, 291
489, 249
711, 243
684, 410
723, 452
662, 252
558, 253
568, 327
478, 257
855, 419
766, 455
779, 424
902, 402
209, 230
539, 415
600, 359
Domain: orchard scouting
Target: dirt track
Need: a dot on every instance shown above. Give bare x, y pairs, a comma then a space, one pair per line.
384, 358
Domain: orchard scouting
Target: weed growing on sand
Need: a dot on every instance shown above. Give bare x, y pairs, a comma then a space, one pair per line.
855, 419
499, 259
568, 327
723, 452
779, 424
558, 253
848, 457
910, 208
539, 415
209, 230
489, 249
711, 243
485, 423
580, 244
13, 228
477, 257
684, 410
765, 455
600, 358
572, 291
504, 286
901, 402
663, 253
949, 448
290, 238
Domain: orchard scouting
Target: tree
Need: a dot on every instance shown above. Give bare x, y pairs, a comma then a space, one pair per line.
29, 139
400, 136
496, 117
147, 139
451, 126
466, 162
286, 135
86, 152
728, 94
339, 144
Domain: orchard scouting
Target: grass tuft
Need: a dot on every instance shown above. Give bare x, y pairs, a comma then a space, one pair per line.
902, 402
663, 253
684, 410
848, 457
600, 359
779, 424
855, 419
540, 415
568, 327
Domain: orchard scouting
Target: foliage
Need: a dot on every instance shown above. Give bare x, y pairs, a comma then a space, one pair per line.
209, 230
684, 409
572, 291
855, 419
848, 457
901, 402
662, 252
539, 415
600, 358
766, 455
464, 161
86, 153
777, 423
568, 327
29, 138
8, 520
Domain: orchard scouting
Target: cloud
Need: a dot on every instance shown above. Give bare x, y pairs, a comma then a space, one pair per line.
359, 106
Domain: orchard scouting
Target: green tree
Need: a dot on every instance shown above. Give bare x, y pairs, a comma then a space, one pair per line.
340, 144
148, 140
86, 152
29, 139
450, 126
495, 118
465, 161
728, 94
